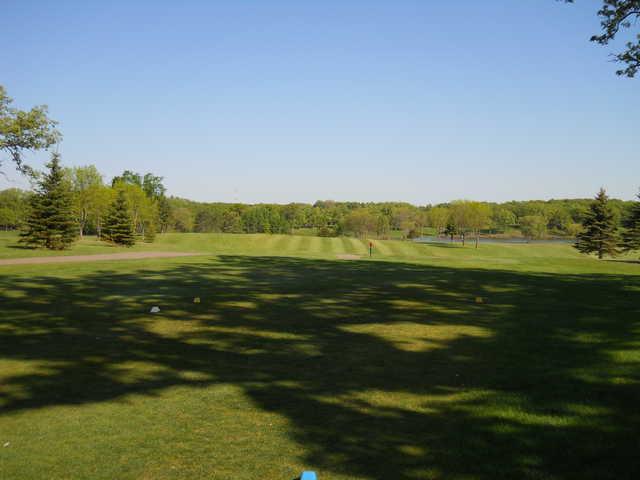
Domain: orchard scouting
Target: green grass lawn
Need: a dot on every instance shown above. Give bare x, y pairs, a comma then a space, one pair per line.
370, 369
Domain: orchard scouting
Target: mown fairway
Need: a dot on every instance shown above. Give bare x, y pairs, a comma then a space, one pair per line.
369, 369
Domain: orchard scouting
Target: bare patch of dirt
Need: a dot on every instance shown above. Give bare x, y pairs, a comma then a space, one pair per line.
348, 256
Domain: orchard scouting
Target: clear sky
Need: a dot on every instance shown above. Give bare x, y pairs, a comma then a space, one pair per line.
278, 101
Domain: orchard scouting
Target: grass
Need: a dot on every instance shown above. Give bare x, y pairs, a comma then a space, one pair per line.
375, 369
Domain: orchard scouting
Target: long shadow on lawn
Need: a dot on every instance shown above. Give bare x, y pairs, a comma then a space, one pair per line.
385, 370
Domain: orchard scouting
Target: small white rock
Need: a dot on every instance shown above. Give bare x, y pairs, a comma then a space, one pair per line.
6, 444
155, 309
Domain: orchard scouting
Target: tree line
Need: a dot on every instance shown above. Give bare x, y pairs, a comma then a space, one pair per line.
68, 203
461, 218
90, 199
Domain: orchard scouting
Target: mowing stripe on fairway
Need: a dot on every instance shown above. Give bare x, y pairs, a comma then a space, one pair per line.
346, 245
282, 244
338, 246
359, 246
396, 248
269, 242
380, 247
326, 245
316, 245
294, 244
305, 244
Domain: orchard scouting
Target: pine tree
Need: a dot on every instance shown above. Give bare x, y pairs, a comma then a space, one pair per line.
600, 229
50, 223
118, 225
631, 237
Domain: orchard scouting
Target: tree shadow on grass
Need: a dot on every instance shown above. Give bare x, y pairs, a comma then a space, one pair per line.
385, 370
18, 246
633, 262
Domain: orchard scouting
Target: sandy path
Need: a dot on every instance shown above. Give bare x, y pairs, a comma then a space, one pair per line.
93, 258
347, 256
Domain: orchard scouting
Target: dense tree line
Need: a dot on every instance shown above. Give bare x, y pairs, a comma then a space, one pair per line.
532, 219
69, 203
151, 211
72, 202
133, 206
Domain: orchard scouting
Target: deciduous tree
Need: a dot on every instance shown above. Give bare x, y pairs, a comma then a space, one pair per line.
360, 222
437, 218
479, 217
533, 226
87, 185
461, 214
617, 15
13, 208
22, 131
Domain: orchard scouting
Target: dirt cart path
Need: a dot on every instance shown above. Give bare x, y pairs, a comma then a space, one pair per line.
93, 258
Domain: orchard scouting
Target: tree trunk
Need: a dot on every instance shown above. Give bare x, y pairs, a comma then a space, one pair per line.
477, 237
462, 235
83, 222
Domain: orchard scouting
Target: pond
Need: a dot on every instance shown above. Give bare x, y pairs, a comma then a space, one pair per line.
470, 239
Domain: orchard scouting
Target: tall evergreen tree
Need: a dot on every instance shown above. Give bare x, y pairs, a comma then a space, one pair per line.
118, 225
600, 229
50, 223
631, 237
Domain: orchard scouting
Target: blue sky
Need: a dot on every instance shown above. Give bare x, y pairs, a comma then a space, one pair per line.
278, 101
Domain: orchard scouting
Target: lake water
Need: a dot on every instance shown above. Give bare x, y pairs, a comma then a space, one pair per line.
470, 239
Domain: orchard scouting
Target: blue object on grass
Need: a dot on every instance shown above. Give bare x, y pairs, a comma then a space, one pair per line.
308, 476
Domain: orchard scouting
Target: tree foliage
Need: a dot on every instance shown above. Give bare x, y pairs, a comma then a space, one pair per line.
89, 197
631, 235
50, 223
21, 131
164, 214
617, 15
118, 225
148, 206
479, 218
360, 222
13, 208
460, 217
153, 186
152, 212
600, 229
533, 226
